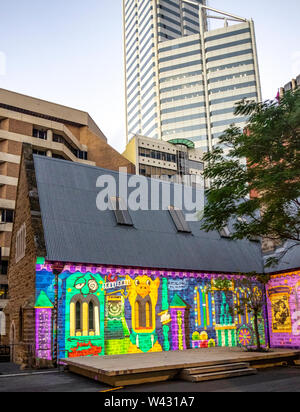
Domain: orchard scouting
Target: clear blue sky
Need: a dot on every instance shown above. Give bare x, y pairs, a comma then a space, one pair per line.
71, 52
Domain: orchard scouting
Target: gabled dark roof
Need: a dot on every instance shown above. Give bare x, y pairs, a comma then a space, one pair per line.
289, 258
76, 231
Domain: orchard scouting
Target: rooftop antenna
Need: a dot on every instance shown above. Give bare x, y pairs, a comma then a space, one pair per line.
221, 15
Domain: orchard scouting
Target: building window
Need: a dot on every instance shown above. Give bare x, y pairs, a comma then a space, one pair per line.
77, 153
3, 292
78, 317
39, 152
143, 315
157, 155
82, 155
179, 220
91, 318
40, 134
6, 216
57, 156
121, 212
3, 267
84, 317
21, 243
142, 171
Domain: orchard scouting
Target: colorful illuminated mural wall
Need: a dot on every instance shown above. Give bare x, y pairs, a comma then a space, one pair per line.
283, 296
110, 311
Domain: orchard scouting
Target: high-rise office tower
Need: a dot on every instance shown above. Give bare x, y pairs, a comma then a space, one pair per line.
182, 79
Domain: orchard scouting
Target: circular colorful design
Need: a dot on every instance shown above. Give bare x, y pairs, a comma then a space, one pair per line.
245, 336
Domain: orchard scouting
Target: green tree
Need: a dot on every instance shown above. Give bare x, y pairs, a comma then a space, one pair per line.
252, 298
262, 159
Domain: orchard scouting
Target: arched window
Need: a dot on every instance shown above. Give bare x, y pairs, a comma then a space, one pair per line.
84, 317
91, 317
78, 316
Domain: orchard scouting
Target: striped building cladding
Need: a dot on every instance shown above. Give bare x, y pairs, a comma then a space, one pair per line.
182, 81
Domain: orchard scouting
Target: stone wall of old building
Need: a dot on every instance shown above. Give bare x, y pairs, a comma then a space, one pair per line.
21, 275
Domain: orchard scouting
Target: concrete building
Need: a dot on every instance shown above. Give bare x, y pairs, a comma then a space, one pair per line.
183, 80
53, 130
172, 160
292, 85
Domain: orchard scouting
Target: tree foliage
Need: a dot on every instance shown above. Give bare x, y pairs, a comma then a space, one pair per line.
263, 159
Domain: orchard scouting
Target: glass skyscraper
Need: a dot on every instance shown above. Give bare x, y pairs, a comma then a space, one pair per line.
183, 80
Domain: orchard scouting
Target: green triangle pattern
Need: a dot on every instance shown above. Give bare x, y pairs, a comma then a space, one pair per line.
43, 301
177, 301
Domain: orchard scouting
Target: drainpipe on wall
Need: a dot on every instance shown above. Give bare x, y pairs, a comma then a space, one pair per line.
57, 269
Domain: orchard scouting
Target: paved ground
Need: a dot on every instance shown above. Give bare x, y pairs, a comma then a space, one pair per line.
268, 380
12, 380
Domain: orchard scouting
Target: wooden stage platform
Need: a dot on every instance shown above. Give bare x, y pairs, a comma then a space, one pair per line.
134, 369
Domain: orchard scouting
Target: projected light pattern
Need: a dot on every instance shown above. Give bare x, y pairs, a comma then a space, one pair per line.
112, 311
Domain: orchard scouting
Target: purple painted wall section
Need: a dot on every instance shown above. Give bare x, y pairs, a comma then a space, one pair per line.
283, 297
178, 329
43, 318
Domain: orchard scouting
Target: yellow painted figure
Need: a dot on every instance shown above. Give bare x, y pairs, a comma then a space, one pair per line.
142, 296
